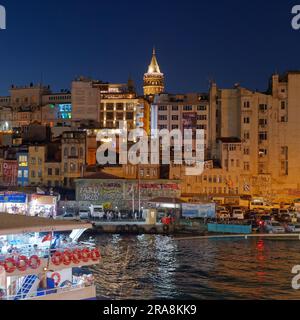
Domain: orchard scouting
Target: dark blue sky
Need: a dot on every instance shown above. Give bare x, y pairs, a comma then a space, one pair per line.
197, 40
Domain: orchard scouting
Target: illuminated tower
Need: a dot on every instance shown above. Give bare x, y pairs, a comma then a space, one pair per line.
154, 80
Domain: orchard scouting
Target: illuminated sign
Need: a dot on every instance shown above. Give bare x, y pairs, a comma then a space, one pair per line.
65, 111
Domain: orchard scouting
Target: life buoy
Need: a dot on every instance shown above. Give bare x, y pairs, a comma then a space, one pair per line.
34, 262
56, 277
57, 258
10, 265
85, 254
95, 254
76, 256
67, 257
22, 263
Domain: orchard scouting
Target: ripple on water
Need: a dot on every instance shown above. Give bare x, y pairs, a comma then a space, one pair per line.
157, 267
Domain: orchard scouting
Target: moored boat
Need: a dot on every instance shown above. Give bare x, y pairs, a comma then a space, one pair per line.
38, 259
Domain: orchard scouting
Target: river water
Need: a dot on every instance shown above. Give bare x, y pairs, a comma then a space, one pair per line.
159, 267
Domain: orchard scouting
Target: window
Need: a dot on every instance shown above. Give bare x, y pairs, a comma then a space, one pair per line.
246, 104
263, 136
73, 167
232, 163
129, 116
175, 126
81, 152
263, 122
284, 119
32, 174
49, 171
20, 174
66, 167
246, 135
33, 161
40, 161
246, 166
40, 173
187, 108
162, 108
201, 108
263, 152
73, 152
174, 108
57, 171
66, 152
109, 106
247, 120
163, 118
110, 116
283, 105
246, 151
237, 163
175, 118
120, 106
201, 117
263, 107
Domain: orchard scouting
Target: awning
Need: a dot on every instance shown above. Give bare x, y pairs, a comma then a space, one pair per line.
18, 224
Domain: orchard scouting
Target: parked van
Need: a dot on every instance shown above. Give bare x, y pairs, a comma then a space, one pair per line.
97, 212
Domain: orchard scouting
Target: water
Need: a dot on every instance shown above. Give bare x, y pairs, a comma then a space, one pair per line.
159, 267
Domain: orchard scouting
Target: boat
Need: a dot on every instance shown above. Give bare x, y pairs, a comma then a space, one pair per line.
43, 259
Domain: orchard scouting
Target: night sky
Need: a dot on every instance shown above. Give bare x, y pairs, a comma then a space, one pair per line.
197, 40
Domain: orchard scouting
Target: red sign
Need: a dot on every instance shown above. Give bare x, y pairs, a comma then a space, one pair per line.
10, 173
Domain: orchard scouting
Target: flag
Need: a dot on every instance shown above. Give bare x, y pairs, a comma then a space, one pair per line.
48, 237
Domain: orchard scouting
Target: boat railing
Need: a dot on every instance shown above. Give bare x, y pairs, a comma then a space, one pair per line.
46, 292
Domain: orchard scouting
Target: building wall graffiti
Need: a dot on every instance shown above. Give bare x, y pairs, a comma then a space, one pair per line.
122, 193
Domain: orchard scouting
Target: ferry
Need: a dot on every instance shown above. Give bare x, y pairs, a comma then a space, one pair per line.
42, 259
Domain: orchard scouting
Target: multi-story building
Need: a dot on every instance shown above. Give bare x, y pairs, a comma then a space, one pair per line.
190, 111
37, 158
73, 148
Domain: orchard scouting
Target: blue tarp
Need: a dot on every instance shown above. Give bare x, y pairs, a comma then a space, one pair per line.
229, 228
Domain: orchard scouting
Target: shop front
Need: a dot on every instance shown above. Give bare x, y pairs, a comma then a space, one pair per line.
43, 206
13, 203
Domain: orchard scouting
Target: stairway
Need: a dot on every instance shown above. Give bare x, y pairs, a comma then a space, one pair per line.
26, 286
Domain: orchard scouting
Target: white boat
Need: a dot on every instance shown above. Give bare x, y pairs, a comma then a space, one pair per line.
36, 264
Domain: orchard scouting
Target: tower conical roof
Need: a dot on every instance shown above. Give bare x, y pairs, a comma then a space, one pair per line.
154, 67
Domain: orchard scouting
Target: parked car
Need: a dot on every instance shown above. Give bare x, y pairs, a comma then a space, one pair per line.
285, 217
292, 228
223, 215
274, 227
84, 214
67, 216
238, 214
262, 220
255, 226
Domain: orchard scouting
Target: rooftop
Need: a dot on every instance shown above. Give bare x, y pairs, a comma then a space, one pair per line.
18, 224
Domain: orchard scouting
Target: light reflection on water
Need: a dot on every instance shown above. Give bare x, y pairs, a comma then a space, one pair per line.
159, 267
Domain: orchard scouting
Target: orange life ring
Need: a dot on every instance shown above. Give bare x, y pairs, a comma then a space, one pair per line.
34, 262
57, 258
10, 265
76, 256
67, 257
86, 254
22, 263
56, 277
95, 254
